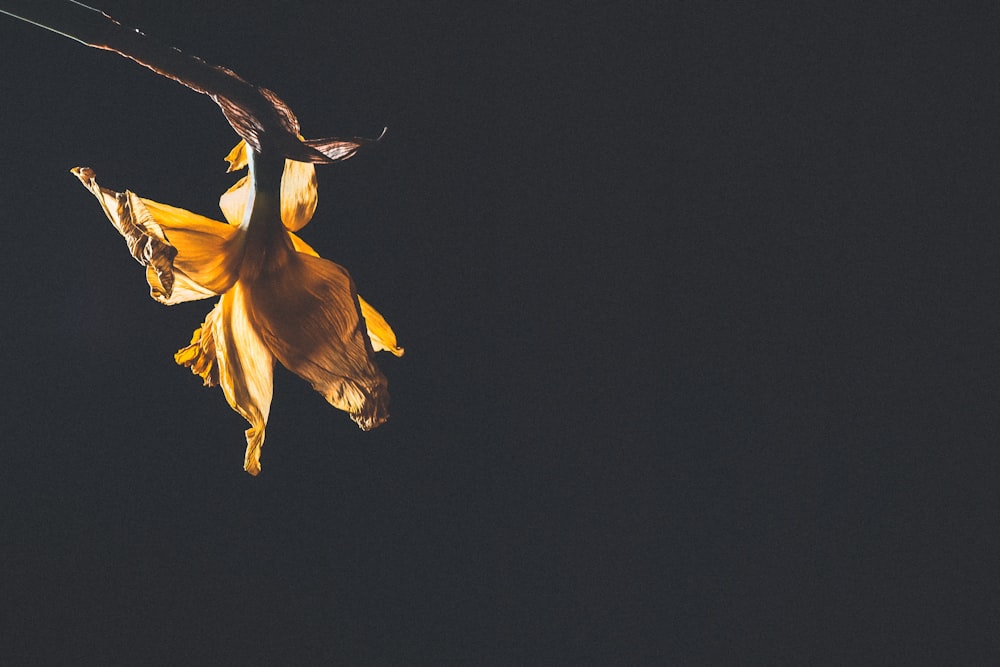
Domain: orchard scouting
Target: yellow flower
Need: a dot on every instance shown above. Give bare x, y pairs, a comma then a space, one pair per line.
279, 299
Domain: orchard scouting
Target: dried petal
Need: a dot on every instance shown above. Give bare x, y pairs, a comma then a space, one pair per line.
245, 369
144, 238
383, 338
237, 157
200, 355
187, 256
208, 252
308, 316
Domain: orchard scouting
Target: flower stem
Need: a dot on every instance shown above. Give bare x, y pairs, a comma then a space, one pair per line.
66, 17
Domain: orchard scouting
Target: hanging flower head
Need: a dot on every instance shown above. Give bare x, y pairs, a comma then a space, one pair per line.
279, 299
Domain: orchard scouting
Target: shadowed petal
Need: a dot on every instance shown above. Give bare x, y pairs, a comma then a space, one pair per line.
245, 369
382, 337
308, 316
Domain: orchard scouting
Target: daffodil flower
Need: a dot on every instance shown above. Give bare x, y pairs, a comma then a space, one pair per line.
279, 299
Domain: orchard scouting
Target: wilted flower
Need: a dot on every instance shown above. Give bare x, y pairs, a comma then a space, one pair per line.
279, 299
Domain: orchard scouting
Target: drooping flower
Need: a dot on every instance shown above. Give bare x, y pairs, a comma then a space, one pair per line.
279, 299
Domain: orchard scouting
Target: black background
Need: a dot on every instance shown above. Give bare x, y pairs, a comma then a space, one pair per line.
700, 321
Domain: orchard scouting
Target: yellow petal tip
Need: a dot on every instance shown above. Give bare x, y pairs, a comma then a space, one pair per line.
85, 174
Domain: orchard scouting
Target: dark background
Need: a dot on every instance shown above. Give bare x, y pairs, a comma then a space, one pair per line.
700, 321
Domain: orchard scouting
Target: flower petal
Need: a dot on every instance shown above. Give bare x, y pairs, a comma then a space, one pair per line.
381, 334
200, 356
208, 252
233, 201
237, 157
146, 241
187, 256
309, 318
382, 337
302, 246
298, 194
245, 369
298, 191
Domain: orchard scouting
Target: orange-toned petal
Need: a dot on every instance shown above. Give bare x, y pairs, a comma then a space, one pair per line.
298, 192
302, 246
200, 355
208, 252
144, 238
233, 201
237, 157
383, 338
245, 369
308, 316
169, 281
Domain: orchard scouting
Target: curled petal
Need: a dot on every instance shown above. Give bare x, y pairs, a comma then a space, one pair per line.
245, 369
308, 316
200, 355
144, 238
208, 252
237, 157
187, 256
